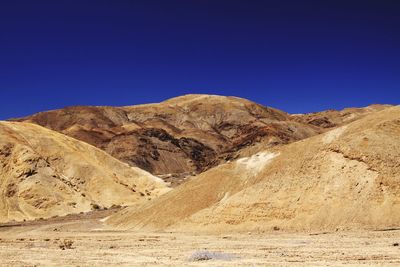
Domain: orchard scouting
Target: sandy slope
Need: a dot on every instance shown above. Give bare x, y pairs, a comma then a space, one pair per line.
44, 173
345, 178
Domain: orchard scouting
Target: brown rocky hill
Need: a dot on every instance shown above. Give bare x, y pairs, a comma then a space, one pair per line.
180, 136
44, 173
346, 178
329, 119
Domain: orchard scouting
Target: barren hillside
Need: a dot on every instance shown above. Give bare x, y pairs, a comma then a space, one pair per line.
189, 134
44, 173
346, 178
333, 118
178, 137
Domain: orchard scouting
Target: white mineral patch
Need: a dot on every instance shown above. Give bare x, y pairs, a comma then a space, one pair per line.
257, 162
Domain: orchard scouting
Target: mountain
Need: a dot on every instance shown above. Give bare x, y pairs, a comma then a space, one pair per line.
345, 178
44, 173
181, 136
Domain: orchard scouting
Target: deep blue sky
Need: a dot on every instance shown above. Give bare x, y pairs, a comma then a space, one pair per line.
299, 56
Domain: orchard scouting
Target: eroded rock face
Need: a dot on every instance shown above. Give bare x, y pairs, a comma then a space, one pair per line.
178, 137
187, 135
44, 173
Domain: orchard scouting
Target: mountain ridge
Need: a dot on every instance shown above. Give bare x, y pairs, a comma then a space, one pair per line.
186, 135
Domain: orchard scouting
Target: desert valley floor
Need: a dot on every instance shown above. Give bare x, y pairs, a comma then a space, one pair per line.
84, 241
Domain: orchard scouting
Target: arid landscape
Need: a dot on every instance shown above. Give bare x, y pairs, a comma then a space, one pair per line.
82, 243
199, 133
200, 180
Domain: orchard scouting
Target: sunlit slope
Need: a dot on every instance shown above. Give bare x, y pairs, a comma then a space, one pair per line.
44, 173
345, 178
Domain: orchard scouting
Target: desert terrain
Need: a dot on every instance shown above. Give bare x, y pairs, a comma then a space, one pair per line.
200, 180
179, 137
346, 178
84, 241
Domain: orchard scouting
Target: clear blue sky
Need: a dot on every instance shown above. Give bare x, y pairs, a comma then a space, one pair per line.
299, 56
